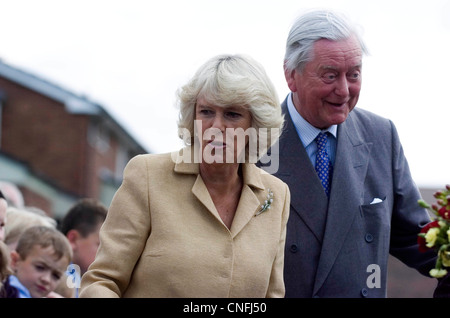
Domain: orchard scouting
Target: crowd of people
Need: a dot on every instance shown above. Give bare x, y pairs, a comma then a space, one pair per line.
319, 208
40, 257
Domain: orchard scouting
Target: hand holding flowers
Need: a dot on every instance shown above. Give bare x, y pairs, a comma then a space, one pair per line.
436, 235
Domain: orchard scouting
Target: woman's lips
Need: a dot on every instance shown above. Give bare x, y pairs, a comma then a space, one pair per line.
217, 144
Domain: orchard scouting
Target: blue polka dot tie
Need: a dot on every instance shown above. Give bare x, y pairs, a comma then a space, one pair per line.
323, 164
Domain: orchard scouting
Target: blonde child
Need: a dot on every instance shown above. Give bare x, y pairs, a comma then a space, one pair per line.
39, 262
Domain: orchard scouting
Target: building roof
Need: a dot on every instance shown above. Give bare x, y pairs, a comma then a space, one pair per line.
74, 104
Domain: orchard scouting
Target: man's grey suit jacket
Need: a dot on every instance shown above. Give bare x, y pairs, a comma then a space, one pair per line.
339, 247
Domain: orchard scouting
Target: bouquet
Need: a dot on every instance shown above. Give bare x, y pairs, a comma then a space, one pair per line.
436, 234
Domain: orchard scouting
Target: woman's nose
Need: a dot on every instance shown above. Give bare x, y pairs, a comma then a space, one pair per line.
219, 122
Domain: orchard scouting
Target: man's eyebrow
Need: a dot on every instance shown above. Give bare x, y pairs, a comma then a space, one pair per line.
359, 66
335, 68
328, 67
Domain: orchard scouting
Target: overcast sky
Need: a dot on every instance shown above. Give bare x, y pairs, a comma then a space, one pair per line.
131, 57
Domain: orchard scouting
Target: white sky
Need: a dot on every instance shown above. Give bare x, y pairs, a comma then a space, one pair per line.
131, 57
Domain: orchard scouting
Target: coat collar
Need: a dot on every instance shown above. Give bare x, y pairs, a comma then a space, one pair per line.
253, 190
251, 173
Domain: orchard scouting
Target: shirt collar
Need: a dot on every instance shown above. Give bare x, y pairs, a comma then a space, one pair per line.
23, 291
305, 130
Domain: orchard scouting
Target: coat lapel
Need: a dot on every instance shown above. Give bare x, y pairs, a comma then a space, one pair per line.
299, 174
201, 193
352, 159
251, 197
185, 164
249, 202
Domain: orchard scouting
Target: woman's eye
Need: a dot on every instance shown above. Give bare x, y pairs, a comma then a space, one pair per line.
205, 112
233, 114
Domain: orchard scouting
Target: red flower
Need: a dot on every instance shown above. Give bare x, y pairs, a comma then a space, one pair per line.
421, 240
444, 212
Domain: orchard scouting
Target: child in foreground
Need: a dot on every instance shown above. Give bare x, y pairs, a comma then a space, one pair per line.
38, 262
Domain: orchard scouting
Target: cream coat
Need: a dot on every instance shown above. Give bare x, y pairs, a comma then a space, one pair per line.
163, 236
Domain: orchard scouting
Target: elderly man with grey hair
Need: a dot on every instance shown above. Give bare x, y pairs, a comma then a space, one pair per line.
353, 200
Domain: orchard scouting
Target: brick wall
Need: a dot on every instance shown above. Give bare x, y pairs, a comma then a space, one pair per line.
54, 143
39, 131
98, 161
35, 200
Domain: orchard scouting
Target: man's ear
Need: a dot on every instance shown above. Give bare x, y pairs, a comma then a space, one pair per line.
290, 78
73, 236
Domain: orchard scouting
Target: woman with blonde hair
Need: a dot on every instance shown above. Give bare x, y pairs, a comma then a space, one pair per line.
205, 221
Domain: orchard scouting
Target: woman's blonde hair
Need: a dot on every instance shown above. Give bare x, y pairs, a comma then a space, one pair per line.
232, 80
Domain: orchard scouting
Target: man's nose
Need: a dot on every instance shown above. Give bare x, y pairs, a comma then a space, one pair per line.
342, 87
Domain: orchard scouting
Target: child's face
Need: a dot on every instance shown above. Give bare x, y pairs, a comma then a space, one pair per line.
41, 271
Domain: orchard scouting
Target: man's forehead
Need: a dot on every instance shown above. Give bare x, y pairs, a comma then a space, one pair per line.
335, 55
347, 48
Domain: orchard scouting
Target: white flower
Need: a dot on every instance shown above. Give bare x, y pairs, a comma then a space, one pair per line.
438, 272
431, 236
445, 258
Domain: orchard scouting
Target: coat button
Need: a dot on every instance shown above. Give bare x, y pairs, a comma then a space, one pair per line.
364, 292
294, 248
369, 238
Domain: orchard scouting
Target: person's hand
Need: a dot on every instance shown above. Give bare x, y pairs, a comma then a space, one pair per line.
54, 295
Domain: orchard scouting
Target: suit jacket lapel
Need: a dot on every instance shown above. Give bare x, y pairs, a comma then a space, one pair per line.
352, 159
298, 172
